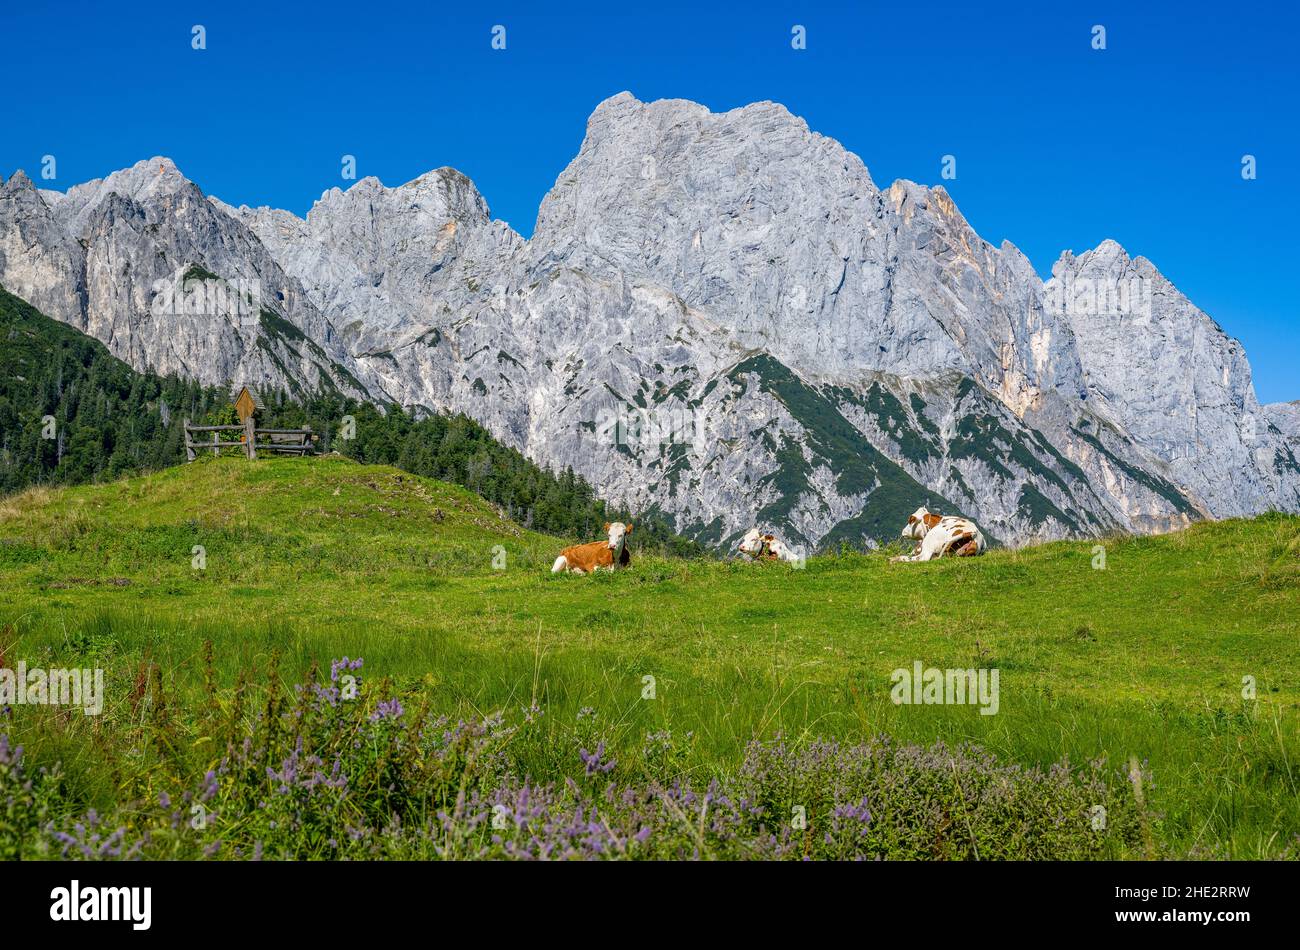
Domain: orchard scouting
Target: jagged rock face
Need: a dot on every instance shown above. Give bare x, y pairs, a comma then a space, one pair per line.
384, 259
111, 258
1285, 417
1168, 377
721, 318
39, 261
781, 236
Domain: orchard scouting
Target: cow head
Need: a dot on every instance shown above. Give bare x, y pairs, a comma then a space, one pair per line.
920, 522
618, 533
757, 544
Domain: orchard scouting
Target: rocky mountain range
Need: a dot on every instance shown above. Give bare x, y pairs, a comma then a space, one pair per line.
720, 318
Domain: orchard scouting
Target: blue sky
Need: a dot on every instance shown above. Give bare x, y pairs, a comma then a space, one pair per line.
1057, 145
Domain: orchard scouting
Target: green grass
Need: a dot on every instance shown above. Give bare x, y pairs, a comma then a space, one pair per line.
320, 558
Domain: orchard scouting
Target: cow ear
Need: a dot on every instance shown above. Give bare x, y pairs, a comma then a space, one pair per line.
629, 527
607, 527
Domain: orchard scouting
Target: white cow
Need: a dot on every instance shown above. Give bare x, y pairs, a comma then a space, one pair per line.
941, 537
765, 547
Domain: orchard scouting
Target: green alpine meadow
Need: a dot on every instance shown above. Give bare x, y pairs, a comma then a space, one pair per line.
319, 658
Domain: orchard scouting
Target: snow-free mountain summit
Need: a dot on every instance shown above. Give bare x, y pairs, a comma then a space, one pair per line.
782, 341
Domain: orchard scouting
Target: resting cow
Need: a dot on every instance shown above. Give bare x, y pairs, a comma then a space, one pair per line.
765, 547
941, 537
585, 558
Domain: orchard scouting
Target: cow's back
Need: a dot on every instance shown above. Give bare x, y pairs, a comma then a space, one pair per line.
589, 556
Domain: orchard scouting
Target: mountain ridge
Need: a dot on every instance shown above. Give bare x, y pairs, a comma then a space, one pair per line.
680, 245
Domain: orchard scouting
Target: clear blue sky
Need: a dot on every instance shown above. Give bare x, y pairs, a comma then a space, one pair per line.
1057, 145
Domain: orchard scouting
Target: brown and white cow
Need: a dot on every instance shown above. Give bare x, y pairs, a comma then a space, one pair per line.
765, 547
608, 554
941, 537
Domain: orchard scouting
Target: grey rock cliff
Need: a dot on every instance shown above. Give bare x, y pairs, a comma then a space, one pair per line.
1166, 376
1285, 417
111, 258
721, 318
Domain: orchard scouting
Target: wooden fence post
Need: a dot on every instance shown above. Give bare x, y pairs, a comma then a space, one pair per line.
250, 437
216, 448
189, 449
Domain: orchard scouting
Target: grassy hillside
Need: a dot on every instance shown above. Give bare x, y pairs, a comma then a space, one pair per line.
455, 612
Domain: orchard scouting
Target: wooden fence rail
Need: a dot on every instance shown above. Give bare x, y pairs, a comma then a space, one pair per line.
285, 441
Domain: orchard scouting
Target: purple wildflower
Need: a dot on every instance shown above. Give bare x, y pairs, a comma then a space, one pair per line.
392, 709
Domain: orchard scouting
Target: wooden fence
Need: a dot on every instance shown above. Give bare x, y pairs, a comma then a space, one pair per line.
285, 441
